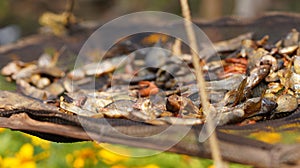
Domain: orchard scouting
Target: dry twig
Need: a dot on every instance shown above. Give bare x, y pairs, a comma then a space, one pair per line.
201, 83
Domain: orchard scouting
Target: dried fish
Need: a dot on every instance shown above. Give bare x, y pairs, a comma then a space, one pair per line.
93, 102
269, 60
297, 64
228, 116
70, 86
45, 61
51, 71
25, 72
257, 74
157, 56
55, 88
213, 65
34, 92
294, 83
272, 77
150, 109
288, 50
42, 83
264, 109
67, 104
229, 83
98, 69
255, 56
166, 75
76, 74
183, 107
232, 44
286, 103
250, 108
292, 38
274, 87
257, 81
248, 48
11, 68
147, 88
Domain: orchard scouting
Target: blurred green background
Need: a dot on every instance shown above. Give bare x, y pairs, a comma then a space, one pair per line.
25, 13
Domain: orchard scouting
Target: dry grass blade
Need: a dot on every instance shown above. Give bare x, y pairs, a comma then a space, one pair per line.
201, 83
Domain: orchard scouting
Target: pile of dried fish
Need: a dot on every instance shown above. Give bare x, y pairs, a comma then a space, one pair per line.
254, 81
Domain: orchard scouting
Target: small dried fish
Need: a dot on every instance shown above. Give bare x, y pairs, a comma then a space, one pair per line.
67, 104
55, 88
43, 82
51, 71
34, 92
150, 109
25, 72
93, 102
45, 61
229, 83
297, 64
147, 88
292, 38
257, 74
274, 87
98, 69
252, 67
157, 56
286, 103
11, 68
288, 50
76, 74
294, 82
183, 107
232, 44
269, 60
229, 115
272, 77
250, 108
255, 56
11, 101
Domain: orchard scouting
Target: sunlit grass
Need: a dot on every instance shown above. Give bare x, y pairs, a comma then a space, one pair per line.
5, 85
18, 149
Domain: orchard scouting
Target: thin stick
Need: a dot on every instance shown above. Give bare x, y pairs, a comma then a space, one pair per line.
213, 141
176, 48
69, 10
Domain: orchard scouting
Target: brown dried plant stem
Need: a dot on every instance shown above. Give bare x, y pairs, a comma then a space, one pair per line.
201, 83
69, 9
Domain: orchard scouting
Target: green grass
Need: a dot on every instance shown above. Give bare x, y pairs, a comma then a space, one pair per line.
55, 155
5, 85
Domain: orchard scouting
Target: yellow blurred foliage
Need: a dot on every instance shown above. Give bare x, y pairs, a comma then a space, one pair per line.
26, 152
118, 166
36, 141
111, 158
79, 158
268, 137
2, 129
24, 158
150, 166
78, 163
69, 159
